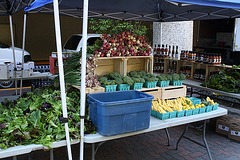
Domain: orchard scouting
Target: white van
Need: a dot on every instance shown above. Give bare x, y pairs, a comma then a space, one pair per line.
6, 56
74, 43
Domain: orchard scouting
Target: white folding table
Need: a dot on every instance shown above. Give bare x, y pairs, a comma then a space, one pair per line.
155, 124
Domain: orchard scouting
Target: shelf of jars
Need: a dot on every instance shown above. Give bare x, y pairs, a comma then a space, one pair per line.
195, 65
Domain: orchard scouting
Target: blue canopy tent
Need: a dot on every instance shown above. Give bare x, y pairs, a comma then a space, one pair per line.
138, 10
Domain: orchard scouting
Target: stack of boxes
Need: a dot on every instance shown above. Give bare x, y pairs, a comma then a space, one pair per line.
7, 70
229, 126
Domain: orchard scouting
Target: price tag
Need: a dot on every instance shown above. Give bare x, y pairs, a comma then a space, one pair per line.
235, 133
223, 127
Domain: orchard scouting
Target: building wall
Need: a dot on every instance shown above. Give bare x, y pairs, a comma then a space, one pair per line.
40, 33
174, 33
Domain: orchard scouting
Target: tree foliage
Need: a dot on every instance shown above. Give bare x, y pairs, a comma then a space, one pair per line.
111, 27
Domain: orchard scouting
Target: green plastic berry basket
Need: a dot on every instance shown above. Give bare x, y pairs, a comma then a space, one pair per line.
152, 84
123, 87
110, 88
163, 83
136, 86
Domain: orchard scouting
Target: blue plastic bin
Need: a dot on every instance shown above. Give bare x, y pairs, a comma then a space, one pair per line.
120, 112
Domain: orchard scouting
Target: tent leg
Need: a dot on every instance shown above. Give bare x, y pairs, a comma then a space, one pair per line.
83, 75
61, 73
23, 47
13, 48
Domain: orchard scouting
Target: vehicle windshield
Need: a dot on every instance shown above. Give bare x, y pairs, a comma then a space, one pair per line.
3, 45
73, 42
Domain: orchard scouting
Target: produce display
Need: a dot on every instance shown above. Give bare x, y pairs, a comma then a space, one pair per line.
72, 73
124, 44
34, 118
227, 80
164, 109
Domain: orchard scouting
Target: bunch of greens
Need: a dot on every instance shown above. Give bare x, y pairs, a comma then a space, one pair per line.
182, 76
175, 77
34, 118
150, 78
162, 77
104, 81
225, 80
128, 80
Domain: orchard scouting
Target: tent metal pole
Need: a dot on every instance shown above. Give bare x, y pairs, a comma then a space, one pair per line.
83, 75
61, 73
13, 48
23, 48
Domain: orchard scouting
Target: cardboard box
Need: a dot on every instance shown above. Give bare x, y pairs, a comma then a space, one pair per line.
234, 132
223, 125
6, 71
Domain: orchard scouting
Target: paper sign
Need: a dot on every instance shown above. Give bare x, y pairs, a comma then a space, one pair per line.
223, 127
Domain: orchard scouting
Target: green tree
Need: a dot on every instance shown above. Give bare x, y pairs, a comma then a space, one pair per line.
116, 26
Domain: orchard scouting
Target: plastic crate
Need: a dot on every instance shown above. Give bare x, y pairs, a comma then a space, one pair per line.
110, 88
202, 110
195, 111
148, 84
209, 108
120, 112
163, 83
163, 116
173, 114
195, 100
123, 87
153, 113
215, 107
136, 86
181, 113
188, 112
177, 83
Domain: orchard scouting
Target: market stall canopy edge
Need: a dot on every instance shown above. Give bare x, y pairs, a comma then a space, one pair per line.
149, 10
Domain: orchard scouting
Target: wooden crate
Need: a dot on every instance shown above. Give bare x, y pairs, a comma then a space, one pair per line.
91, 90
171, 92
138, 63
106, 65
156, 92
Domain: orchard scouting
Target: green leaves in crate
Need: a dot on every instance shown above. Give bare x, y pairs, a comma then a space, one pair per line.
162, 77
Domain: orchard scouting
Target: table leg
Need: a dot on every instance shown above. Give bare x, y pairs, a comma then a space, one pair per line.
185, 130
203, 137
191, 92
168, 136
204, 140
51, 154
15, 158
95, 149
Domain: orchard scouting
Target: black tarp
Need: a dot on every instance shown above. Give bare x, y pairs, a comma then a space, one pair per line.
149, 10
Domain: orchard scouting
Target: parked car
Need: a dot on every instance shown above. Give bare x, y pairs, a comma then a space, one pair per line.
6, 56
74, 43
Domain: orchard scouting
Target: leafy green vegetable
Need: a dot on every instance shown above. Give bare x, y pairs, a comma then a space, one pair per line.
34, 118
128, 80
182, 76
175, 77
